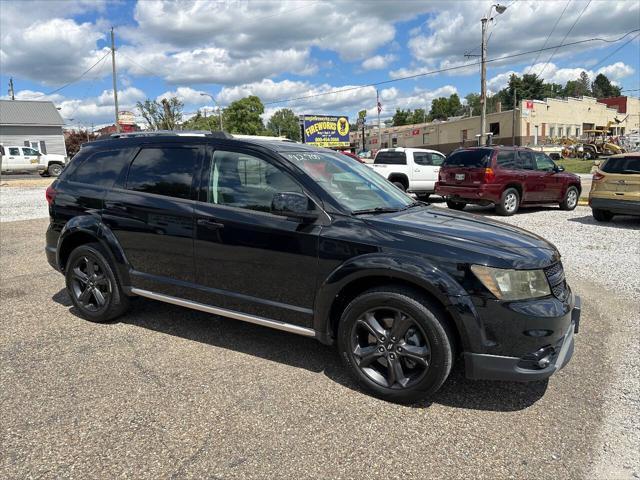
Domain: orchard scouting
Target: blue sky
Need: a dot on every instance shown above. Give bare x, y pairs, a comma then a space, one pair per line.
280, 50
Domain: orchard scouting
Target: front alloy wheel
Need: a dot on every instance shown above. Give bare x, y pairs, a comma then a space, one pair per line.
396, 342
390, 348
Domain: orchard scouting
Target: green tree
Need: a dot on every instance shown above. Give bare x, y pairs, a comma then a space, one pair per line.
419, 115
284, 123
473, 101
602, 87
455, 106
579, 87
200, 122
439, 109
528, 86
164, 115
243, 116
402, 117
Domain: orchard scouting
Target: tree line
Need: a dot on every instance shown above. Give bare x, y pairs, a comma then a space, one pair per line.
529, 87
244, 116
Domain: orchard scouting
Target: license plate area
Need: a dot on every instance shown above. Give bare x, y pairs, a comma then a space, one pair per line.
459, 177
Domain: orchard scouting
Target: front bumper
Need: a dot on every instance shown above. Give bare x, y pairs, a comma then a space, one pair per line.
537, 365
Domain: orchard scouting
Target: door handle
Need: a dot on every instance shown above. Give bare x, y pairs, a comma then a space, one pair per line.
205, 222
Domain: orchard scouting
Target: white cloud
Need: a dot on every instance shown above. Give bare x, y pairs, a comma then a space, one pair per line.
378, 62
187, 95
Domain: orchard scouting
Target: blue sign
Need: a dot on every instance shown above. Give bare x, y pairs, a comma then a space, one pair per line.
326, 130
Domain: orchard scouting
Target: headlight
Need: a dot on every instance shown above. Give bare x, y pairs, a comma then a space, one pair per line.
513, 284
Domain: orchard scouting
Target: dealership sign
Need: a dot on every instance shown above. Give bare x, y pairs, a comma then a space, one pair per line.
326, 131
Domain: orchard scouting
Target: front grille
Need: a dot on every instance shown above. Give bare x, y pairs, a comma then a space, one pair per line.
555, 276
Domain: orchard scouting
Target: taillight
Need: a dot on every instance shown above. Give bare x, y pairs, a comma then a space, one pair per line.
597, 176
489, 175
50, 194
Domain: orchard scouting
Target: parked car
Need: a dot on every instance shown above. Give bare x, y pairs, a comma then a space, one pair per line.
306, 240
413, 170
615, 188
507, 177
17, 158
352, 155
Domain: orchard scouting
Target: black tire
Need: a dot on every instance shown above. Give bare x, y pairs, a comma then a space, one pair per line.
44, 174
570, 200
400, 185
94, 290
509, 202
424, 197
601, 215
422, 355
455, 205
55, 169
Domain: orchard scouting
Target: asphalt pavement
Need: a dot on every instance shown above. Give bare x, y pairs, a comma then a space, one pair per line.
172, 393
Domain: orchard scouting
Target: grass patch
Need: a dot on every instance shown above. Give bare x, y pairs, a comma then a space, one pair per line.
576, 165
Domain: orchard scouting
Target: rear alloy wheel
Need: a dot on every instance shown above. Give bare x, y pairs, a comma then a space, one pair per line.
570, 201
395, 344
455, 205
601, 215
92, 285
509, 202
55, 170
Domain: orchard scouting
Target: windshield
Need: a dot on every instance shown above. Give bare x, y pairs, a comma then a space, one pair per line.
354, 185
478, 158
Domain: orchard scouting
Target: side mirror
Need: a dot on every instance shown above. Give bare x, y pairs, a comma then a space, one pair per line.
294, 205
559, 168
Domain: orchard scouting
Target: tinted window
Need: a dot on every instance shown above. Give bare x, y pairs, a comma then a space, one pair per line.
469, 158
14, 151
245, 181
507, 159
101, 168
164, 171
525, 161
436, 159
629, 165
30, 151
544, 163
391, 158
422, 158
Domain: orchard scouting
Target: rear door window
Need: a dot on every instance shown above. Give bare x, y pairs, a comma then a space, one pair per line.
391, 158
626, 165
507, 159
525, 160
164, 171
479, 158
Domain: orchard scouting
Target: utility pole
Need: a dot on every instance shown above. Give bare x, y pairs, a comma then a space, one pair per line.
219, 108
513, 127
378, 108
115, 88
483, 82
483, 72
11, 92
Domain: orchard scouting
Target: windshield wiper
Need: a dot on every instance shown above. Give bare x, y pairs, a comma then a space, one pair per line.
411, 205
375, 210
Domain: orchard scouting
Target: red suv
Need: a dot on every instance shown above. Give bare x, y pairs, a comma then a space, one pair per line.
506, 177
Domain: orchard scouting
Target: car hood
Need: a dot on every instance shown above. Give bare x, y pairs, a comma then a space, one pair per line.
471, 238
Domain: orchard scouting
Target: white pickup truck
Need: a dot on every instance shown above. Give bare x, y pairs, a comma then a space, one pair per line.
16, 158
414, 170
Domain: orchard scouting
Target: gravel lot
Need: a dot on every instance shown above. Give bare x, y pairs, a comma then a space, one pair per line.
172, 393
23, 199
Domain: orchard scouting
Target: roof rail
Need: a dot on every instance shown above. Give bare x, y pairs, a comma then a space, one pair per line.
176, 133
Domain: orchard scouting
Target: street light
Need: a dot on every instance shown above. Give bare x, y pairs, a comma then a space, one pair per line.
216, 104
483, 87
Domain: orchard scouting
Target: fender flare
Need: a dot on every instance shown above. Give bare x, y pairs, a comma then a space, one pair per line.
436, 282
399, 174
92, 225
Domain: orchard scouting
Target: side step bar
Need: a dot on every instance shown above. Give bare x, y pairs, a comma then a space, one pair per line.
265, 322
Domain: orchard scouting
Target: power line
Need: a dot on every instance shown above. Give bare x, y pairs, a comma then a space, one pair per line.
76, 80
448, 69
615, 51
549, 36
565, 37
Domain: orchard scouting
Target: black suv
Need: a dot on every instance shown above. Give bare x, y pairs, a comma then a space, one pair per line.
308, 241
